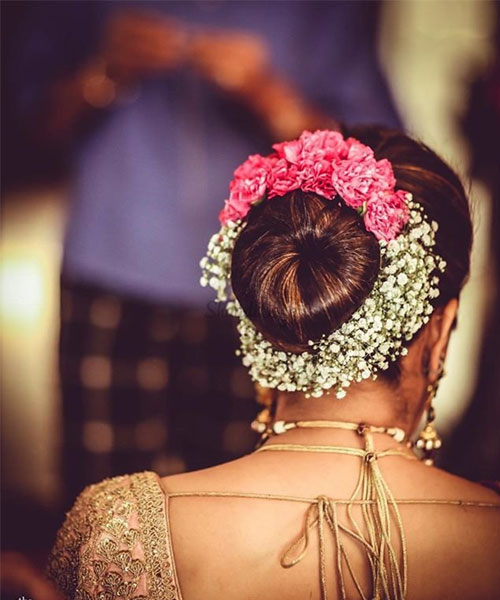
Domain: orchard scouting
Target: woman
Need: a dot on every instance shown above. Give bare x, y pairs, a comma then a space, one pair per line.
343, 260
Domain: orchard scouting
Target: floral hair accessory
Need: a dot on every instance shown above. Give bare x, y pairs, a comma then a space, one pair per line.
326, 164
401, 299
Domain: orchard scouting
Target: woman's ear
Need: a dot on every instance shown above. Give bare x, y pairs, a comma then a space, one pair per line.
441, 325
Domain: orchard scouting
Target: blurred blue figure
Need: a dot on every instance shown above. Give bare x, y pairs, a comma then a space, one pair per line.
161, 100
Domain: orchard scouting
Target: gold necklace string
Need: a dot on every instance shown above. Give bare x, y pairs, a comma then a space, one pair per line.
279, 427
366, 455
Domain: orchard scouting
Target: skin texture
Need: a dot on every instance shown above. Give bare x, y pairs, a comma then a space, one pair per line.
230, 548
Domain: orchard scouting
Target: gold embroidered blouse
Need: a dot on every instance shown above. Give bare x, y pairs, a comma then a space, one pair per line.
114, 543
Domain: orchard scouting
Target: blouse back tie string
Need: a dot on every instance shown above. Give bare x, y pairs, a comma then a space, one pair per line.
385, 552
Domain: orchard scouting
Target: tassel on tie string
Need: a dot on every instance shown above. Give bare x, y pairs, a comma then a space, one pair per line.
385, 552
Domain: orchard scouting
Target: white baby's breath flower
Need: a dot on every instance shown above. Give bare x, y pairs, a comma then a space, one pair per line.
396, 308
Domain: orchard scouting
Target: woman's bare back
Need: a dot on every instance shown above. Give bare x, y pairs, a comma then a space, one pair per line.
230, 547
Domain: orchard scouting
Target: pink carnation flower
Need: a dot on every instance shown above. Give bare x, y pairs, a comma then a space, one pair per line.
290, 151
356, 181
317, 177
255, 167
245, 192
248, 186
312, 155
229, 213
324, 163
317, 146
283, 178
385, 216
324, 145
357, 151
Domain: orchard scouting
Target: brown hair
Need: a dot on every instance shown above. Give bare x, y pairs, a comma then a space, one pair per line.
302, 265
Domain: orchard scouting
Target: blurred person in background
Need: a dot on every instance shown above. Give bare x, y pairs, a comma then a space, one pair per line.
155, 103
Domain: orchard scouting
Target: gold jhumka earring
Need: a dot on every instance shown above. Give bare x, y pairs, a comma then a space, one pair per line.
429, 440
263, 421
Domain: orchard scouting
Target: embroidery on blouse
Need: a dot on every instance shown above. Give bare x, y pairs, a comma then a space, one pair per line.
113, 543
151, 510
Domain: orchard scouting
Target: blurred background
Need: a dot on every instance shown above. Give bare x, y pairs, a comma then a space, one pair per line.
121, 125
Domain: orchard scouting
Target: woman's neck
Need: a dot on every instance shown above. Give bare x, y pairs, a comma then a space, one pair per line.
368, 402
372, 403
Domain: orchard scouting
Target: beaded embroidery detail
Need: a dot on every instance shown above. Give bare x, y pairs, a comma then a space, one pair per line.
113, 543
151, 512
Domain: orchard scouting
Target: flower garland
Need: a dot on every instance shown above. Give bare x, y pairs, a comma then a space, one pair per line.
326, 164
401, 299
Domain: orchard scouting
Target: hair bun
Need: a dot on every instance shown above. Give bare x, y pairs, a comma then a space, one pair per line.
301, 266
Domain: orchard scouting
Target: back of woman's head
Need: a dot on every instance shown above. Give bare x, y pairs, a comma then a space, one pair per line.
302, 265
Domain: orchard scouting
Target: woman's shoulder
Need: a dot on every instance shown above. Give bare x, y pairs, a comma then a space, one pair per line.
458, 525
112, 537
435, 483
